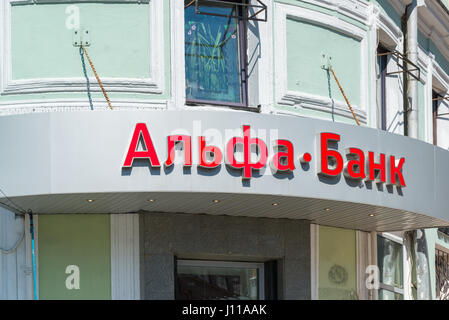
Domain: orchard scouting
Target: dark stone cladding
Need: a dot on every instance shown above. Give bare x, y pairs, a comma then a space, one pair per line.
208, 237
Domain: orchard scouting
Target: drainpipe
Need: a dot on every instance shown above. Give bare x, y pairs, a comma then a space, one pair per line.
33, 254
416, 239
411, 51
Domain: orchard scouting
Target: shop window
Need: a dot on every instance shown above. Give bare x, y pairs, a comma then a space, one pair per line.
442, 274
337, 265
215, 53
219, 280
391, 269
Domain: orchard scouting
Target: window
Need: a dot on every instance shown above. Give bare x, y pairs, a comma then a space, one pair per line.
382, 78
444, 230
215, 59
391, 268
219, 280
442, 274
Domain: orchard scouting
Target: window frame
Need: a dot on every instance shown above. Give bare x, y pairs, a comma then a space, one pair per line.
435, 105
444, 251
383, 67
260, 266
387, 287
243, 47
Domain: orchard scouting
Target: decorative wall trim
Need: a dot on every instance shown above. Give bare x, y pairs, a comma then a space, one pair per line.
440, 75
125, 254
435, 25
29, 106
314, 102
320, 103
178, 78
355, 9
423, 63
385, 23
153, 84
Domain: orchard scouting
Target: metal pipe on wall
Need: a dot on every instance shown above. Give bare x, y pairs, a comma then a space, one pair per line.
417, 238
411, 115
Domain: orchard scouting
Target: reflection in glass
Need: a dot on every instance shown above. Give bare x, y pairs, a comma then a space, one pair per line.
390, 259
212, 55
388, 295
217, 283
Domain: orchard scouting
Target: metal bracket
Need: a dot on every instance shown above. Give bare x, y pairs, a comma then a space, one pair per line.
251, 12
326, 61
81, 36
404, 66
440, 97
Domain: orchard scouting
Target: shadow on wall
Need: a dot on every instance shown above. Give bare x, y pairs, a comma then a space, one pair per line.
396, 122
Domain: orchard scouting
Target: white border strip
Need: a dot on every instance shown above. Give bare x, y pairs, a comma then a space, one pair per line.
125, 264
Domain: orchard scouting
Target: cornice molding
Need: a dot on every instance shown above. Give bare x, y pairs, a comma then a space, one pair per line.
434, 24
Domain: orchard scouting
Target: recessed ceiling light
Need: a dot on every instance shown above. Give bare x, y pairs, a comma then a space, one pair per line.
275, 204
90, 200
216, 201
372, 215
151, 200
327, 209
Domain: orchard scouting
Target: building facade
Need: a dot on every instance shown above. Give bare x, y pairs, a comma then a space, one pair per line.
259, 149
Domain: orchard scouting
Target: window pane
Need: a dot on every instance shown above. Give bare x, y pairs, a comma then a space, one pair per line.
389, 295
212, 55
337, 264
217, 283
442, 274
389, 257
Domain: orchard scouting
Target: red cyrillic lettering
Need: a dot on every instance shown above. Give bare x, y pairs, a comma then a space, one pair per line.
186, 140
376, 168
141, 130
287, 155
247, 142
212, 150
396, 171
355, 168
323, 160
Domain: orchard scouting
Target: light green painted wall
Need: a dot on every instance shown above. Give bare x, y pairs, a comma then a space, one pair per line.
42, 46
305, 44
337, 247
295, 46
81, 240
119, 40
